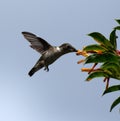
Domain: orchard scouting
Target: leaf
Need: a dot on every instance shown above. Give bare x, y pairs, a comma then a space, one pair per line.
115, 103
112, 68
97, 74
100, 58
100, 39
112, 89
113, 39
94, 47
117, 28
118, 21
112, 65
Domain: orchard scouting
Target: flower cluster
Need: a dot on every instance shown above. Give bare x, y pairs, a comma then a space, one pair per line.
104, 52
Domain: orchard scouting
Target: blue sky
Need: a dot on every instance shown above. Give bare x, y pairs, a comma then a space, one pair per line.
61, 94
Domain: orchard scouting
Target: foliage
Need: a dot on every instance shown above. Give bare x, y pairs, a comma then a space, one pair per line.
104, 52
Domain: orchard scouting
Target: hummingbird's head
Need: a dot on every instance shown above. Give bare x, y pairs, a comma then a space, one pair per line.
67, 48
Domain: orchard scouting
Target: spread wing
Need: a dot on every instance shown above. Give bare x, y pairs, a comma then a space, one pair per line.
37, 43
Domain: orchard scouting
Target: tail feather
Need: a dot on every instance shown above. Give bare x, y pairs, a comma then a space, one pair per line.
34, 69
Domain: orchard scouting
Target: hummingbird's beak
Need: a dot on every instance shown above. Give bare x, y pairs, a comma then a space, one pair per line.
75, 50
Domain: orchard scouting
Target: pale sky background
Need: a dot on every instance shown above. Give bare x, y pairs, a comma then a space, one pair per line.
62, 93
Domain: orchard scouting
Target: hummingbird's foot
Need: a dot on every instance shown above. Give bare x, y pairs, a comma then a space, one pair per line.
46, 68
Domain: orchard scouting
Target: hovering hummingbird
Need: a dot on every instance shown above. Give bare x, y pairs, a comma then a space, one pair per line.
49, 53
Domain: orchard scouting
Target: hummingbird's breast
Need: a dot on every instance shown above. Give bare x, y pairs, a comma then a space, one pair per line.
52, 55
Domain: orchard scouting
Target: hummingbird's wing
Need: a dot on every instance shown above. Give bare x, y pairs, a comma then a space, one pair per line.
37, 43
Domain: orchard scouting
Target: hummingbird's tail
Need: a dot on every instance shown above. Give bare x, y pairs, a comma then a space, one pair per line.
34, 69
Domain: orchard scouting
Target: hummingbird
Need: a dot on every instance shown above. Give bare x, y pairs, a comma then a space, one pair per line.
49, 53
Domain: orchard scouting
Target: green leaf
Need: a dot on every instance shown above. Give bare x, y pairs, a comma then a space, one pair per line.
117, 28
94, 47
100, 58
112, 65
118, 21
115, 103
112, 89
112, 68
113, 39
100, 39
97, 74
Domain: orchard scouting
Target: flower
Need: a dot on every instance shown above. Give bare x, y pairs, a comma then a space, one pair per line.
82, 52
118, 52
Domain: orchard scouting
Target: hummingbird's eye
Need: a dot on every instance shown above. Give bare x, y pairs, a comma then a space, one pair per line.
68, 47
